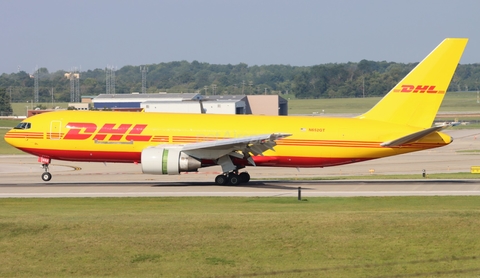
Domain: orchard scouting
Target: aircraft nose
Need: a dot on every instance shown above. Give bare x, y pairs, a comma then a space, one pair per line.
10, 138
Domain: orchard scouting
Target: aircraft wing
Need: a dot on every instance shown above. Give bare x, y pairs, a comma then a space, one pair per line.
222, 150
413, 137
255, 145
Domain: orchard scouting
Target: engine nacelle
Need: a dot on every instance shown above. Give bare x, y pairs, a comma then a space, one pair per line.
167, 161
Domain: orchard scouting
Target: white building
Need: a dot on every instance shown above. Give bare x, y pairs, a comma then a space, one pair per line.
194, 103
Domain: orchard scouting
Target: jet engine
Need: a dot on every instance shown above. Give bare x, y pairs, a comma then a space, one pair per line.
167, 161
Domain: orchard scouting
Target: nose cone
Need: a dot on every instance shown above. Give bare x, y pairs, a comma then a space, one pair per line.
10, 138
16, 138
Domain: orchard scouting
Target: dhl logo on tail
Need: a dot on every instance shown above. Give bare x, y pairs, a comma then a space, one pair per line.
418, 89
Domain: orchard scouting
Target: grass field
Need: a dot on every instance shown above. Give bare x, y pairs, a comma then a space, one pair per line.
453, 102
6, 148
9, 123
241, 237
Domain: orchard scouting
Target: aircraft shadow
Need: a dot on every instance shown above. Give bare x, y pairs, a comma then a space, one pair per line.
251, 184
270, 184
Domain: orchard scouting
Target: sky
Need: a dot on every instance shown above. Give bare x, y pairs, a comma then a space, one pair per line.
90, 34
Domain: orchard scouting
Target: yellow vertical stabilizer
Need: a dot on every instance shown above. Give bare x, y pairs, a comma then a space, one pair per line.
415, 100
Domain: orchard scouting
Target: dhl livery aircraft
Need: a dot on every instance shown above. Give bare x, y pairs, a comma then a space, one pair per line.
168, 143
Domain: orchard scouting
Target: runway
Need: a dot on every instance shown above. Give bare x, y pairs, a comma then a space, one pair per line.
253, 189
21, 177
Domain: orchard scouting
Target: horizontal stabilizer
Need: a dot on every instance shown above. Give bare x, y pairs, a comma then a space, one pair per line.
413, 137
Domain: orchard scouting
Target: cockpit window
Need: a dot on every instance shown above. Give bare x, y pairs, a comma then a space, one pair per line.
23, 125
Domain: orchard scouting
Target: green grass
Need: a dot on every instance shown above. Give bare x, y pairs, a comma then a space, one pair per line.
9, 122
235, 237
469, 151
337, 105
453, 102
460, 102
6, 148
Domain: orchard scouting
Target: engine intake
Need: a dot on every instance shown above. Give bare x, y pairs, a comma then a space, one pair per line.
167, 161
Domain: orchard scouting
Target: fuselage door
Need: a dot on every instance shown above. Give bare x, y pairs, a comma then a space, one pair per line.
55, 130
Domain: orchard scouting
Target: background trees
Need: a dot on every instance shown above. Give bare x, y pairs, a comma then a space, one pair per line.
5, 107
362, 79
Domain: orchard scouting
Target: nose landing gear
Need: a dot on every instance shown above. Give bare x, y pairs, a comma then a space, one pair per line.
46, 176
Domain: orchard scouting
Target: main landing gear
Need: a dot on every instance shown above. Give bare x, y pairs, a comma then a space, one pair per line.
46, 176
232, 178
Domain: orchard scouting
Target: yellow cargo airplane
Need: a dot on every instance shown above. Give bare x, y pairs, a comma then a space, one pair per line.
169, 143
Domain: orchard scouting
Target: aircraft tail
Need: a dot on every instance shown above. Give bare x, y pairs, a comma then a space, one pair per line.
415, 100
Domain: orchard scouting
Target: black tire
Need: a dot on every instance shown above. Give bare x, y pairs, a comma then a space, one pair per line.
234, 179
221, 179
244, 177
46, 176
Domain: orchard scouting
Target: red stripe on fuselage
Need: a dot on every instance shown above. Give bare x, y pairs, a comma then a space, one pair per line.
134, 157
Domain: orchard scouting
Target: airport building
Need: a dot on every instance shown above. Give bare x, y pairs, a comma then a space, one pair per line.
119, 101
194, 103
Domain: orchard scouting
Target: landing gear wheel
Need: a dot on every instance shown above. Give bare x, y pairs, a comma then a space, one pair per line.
221, 179
244, 177
234, 179
46, 176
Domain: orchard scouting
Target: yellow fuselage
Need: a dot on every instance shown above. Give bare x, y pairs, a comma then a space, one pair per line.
121, 136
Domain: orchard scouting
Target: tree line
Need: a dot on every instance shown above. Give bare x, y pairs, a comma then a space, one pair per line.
5, 106
362, 79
